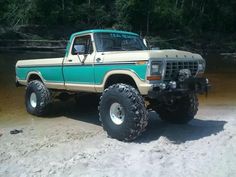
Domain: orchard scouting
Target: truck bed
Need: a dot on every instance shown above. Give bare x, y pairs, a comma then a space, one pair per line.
49, 69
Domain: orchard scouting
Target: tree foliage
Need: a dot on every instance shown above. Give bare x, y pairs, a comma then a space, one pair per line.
143, 16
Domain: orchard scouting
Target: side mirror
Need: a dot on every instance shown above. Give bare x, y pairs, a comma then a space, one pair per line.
79, 49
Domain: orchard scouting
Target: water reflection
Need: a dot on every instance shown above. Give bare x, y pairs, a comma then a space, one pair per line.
221, 71
12, 108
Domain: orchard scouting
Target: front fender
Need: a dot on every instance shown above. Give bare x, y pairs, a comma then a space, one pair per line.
142, 85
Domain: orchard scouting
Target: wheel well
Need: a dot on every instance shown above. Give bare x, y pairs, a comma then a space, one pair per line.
34, 77
120, 78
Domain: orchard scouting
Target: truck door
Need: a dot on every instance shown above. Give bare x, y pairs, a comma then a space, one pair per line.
78, 66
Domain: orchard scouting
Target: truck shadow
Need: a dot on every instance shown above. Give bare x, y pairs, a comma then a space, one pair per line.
86, 111
196, 129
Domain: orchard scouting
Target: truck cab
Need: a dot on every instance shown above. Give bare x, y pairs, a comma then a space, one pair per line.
102, 54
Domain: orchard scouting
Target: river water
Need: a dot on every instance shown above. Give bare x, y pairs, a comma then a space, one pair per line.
221, 71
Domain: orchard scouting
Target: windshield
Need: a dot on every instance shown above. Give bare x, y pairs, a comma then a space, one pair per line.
118, 42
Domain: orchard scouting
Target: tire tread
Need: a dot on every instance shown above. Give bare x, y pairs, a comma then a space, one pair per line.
138, 109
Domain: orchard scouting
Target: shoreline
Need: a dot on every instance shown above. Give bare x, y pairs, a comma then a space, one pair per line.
60, 45
51, 40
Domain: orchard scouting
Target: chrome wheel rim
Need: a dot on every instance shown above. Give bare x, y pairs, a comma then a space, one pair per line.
33, 100
117, 113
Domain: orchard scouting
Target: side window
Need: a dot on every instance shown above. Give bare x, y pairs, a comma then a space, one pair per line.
82, 45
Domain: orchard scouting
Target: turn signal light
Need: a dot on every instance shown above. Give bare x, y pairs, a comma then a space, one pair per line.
141, 62
154, 78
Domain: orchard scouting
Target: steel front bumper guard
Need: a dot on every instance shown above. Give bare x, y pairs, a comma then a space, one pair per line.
196, 85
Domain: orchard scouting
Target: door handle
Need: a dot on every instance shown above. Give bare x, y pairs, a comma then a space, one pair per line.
70, 60
98, 59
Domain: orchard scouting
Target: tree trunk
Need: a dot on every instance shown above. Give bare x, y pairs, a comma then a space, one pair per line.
148, 19
182, 5
176, 3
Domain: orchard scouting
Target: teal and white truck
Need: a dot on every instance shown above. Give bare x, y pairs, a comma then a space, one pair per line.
130, 78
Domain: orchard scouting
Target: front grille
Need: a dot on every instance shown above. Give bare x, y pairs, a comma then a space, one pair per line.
173, 67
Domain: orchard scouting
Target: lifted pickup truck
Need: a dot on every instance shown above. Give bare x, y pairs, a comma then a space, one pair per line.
129, 77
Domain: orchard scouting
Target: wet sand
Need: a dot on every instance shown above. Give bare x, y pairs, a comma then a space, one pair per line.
72, 143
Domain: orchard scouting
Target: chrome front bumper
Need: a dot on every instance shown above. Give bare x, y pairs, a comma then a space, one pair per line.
196, 85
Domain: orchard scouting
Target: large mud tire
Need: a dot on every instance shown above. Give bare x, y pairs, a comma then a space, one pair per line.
132, 112
181, 112
37, 98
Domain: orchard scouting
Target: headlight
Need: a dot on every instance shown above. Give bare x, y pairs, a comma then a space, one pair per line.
201, 65
155, 68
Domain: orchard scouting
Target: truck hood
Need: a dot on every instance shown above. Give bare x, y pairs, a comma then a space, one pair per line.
173, 54
149, 54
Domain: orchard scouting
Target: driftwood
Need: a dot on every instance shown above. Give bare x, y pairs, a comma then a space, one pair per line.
228, 54
27, 40
32, 44
32, 47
